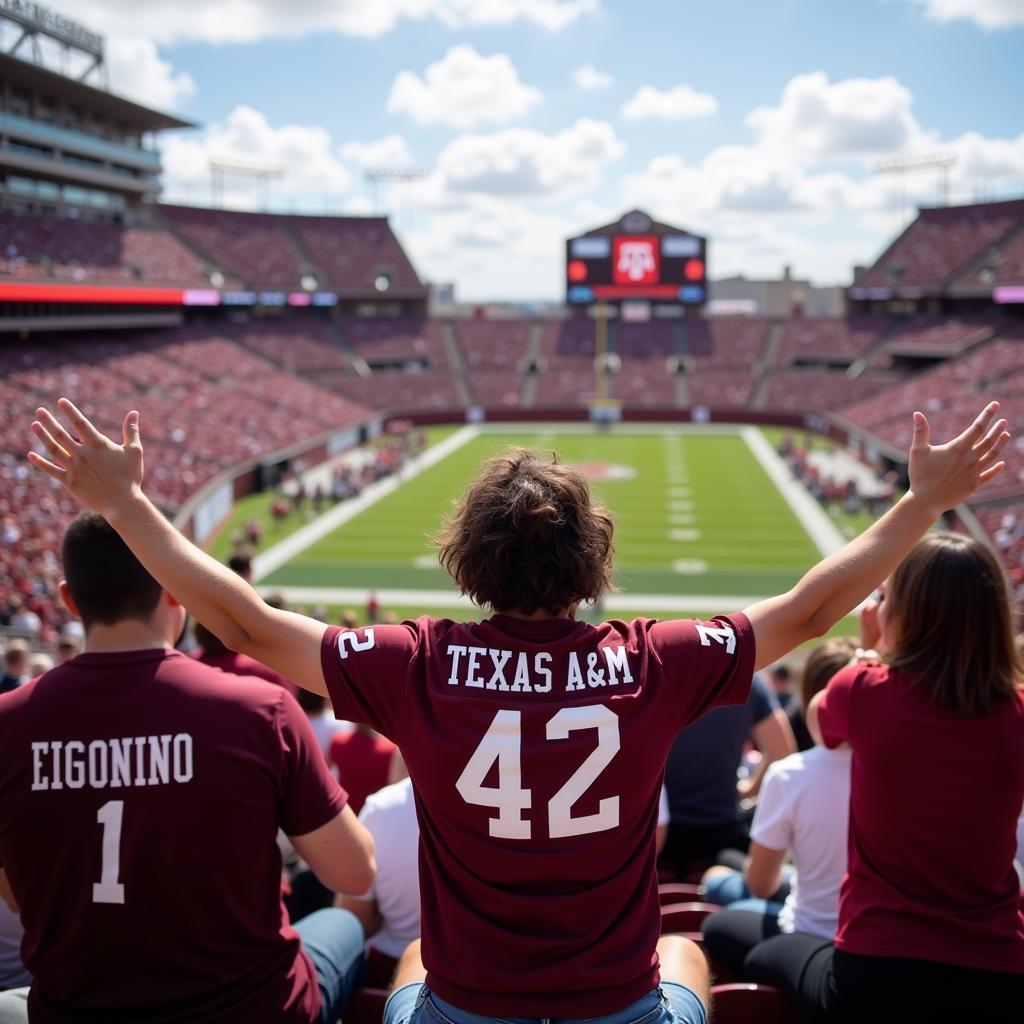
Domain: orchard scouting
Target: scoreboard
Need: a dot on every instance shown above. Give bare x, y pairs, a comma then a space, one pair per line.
654, 267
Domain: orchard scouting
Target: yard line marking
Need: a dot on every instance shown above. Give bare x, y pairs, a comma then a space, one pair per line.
284, 551
685, 536
812, 516
682, 518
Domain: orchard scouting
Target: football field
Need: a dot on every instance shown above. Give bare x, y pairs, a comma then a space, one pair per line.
705, 518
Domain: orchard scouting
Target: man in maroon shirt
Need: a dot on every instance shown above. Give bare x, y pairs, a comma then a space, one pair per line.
212, 652
140, 798
536, 743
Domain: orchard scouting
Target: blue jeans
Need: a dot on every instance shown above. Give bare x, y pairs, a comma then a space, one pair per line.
333, 940
671, 1004
725, 890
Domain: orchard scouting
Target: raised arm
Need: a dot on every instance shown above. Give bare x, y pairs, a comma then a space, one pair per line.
941, 477
107, 477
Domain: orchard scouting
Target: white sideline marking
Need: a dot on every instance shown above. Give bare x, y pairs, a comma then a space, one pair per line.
812, 516
284, 551
357, 597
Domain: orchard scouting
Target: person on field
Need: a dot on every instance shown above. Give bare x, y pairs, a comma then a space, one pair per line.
535, 742
141, 793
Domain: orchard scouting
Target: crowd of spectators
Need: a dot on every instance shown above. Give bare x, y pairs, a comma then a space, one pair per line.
834, 493
206, 404
939, 242
494, 355
47, 248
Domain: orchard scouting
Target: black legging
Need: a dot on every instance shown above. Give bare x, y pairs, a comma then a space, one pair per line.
832, 986
729, 935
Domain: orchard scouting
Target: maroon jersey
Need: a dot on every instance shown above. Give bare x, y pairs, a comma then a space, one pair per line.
537, 750
140, 798
363, 763
934, 803
242, 665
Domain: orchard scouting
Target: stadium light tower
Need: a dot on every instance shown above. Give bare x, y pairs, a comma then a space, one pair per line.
39, 29
941, 162
402, 175
260, 173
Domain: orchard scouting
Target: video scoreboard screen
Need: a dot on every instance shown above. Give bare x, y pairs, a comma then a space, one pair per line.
657, 268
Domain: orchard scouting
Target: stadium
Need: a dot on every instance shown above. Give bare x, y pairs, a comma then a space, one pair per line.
309, 402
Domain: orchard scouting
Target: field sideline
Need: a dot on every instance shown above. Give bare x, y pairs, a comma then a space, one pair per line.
707, 519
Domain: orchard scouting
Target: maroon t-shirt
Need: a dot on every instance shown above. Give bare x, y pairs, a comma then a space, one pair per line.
934, 803
242, 665
363, 763
140, 798
537, 750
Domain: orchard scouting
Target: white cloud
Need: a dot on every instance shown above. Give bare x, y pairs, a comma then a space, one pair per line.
855, 117
991, 162
590, 78
358, 206
462, 90
390, 151
734, 179
990, 14
244, 21
679, 103
521, 161
311, 174
494, 248
138, 71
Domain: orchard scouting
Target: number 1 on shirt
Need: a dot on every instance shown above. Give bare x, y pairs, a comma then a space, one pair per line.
108, 889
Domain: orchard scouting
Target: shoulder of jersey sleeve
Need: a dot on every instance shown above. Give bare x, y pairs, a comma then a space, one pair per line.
238, 687
848, 673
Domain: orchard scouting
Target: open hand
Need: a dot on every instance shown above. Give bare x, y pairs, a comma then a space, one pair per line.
947, 474
100, 473
870, 631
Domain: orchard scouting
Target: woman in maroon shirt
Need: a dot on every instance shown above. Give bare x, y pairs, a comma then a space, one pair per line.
930, 925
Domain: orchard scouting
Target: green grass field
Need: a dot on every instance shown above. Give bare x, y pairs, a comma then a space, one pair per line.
696, 515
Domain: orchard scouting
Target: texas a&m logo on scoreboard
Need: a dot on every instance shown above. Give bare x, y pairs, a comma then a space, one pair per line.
636, 258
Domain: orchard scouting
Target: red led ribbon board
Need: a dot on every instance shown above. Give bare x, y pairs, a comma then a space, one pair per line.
17, 291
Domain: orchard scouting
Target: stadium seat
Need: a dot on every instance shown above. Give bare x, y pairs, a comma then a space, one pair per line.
679, 892
366, 1006
751, 1004
685, 917
380, 969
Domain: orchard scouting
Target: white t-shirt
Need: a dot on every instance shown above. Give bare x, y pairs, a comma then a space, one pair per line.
12, 970
804, 807
664, 814
390, 816
1019, 862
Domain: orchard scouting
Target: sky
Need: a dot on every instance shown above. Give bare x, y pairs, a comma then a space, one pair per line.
760, 123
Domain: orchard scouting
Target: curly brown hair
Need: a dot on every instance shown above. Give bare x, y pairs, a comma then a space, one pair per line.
527, 537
